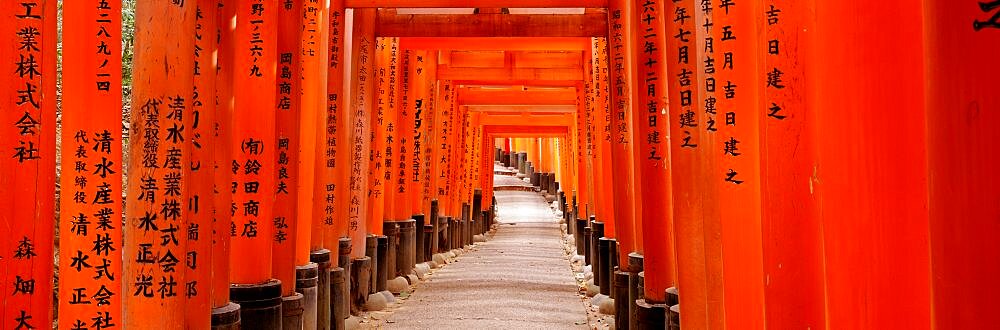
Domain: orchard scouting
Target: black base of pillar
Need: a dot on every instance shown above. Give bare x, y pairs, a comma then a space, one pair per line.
650, 316
419, 241
406, 249
260, 304
621, 300
292, 309
344, 247
306, 283
361, 270
604, 253
587, 232
371, 250
580, 235
672, 296
339, 299
635, 266
322, 259
596, 233
674, 317
382, 262
226, 317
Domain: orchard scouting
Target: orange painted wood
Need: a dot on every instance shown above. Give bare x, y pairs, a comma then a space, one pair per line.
158, 214
391, 24
961, 178
790, 217
493, 75
253, 146
28, 166
316, 176
619, 79
873, 189
405, 135
479, 4
738, 169
534, 150
201, 146
496, 43
654, 166
582, 150
442, 147
362, 97
420, 86
393, 134
288, 253
379, 125
334, 134
91, 206
222, 229
468, 96
602, 136
688, 146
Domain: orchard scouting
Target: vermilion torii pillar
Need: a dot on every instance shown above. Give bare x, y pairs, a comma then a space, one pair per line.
620, 87
91, 207
155, 237
253, 166
224, 313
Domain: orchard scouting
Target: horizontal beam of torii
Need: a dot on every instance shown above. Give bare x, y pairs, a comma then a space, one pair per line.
391, 24
470, 96
476, 4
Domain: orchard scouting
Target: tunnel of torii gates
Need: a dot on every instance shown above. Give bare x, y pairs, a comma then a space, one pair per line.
778, 163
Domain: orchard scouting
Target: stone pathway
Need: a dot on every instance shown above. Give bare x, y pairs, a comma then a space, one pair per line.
520, 279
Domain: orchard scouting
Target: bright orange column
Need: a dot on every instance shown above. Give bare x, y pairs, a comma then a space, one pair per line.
603, 136
582, 145
872, 171
201, 186
91, 207
315, 175
442, 146
362, 107
222, 228
334, 136
155, 231
620, 87
656, 217
379, 125
707, 309
534, 153
27, 165
961, 165
394, 210
421, 82
790, 222
253, 141
405, 137
288, 253
688, 131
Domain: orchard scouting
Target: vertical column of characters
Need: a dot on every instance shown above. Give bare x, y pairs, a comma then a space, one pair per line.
288, 253
336, 134
92, 159
315, 176
431, 105
739, 163
376, 155
222, 228
603, 136
391, 147
687, 132
961, 161
656, 218
201, 187
592, 136
421, 97
582, 151
404, 135
363, 97
707, 176
253, 148
440, 146
792, 235
620, 66
155, 241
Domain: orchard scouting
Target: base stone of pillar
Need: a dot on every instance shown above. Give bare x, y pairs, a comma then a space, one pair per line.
635, 266
260, 304
321, 258
338, 299
650, 315
673, 297
620, 293
674, 317
361, 276
226, 317
306, 283
292, 309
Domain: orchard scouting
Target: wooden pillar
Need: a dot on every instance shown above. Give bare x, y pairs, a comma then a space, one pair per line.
443, 145
334, 134
288, 252
362, 99
602, 135
155, 240
582, 145
201, 144
404, 155
790, 222
421, 82
962, 179
222, 228
619, 78
253, 137
390, 160
316, 175
379, 125
873, 156
534, 153
91, 205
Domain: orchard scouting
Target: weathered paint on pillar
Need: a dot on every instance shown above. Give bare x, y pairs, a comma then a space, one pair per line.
872, 169
222, 228
620, 67
705, 222
961, 74
362, 99
687, 131
155, 235
288, 253
91, 206
790, 217
200, 181
254, 63
656, 217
